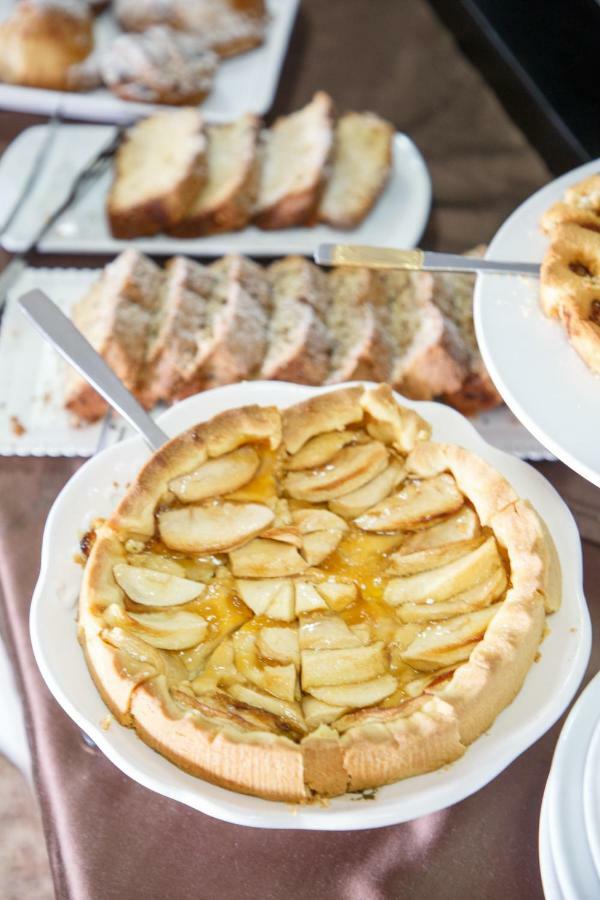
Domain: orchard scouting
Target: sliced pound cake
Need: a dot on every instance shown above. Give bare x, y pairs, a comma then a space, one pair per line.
298, 341
429, 360
225, 201
231, 340
173, 342
357, 320
362, 159
294, 154
159, 169
453, 294
116, 316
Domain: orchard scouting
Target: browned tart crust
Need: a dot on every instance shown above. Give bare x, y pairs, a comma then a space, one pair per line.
299, 603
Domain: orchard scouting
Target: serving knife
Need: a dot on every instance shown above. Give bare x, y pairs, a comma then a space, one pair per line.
416, 260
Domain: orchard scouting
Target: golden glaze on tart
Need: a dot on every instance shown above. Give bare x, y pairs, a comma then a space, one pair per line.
303, 602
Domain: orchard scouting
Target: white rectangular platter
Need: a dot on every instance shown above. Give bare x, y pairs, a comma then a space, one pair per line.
398, 218
33, 421
245, 83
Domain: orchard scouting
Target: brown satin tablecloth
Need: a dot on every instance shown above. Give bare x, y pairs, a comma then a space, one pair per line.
109, 838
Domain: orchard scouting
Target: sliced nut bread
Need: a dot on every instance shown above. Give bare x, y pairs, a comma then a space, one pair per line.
294, 155
298, 341
173, 342
231, 341
356, 319
116, 316
159, 169
225, 201
453, 295
362, 159
429, 360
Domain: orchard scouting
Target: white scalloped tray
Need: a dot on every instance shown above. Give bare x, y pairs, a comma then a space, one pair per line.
245, 83
94, 491
32, 378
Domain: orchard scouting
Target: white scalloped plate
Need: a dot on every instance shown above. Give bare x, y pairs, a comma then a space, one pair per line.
94, 491
540, 376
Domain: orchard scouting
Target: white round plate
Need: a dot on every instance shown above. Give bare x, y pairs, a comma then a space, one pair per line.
540, 376
591, 796
550, 881
94, 491
570, 847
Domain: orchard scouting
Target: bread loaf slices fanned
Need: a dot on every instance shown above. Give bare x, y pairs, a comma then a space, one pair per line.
429, 359
361, 163
159, 169
115, 316
231, 341
357, 320
298, 340
225, 201
453, 295
173, 343
294, 155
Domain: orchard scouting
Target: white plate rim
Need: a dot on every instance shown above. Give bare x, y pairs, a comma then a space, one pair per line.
573, 861
551, 192
550, 882
433, 797
591, 796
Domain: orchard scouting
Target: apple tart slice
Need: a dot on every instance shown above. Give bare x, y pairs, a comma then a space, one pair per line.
296, 603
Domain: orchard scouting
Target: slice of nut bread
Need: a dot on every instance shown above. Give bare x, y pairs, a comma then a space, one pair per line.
231, 341
159, 169
453, 295
116, 316
225, 201
298, 340
294, 154
361, 163
429, 360
357, 319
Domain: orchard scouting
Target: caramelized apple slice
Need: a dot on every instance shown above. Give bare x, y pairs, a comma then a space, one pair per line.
220, 669
365, 693
337, 594
279, 644
323, 632
266, 559
277, 680
308, 598
317, 519
352, 505
347, 666
431, 646
446, 581
319, 450
319, 545
281, 681
156, 588
318, 713
477, 597
348, 470
260, 593
217, 476
416, 686
462, 526
414, 505
212, 529
431, 558
289, 712
170, 631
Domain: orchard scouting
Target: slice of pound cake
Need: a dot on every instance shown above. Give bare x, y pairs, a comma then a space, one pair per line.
159, 169
298, 340
225, 201
294, 155
116, 316
362, 159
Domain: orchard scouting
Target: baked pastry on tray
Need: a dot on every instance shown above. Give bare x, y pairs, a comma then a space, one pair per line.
297, 603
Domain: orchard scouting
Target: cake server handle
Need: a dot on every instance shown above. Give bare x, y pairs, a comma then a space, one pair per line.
59, 331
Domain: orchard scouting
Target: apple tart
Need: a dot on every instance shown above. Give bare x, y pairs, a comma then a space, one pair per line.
298, 603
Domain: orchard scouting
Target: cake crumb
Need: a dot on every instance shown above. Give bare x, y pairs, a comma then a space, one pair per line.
17, 427
106, 722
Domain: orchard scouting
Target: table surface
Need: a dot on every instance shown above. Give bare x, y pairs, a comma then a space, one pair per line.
109, 838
